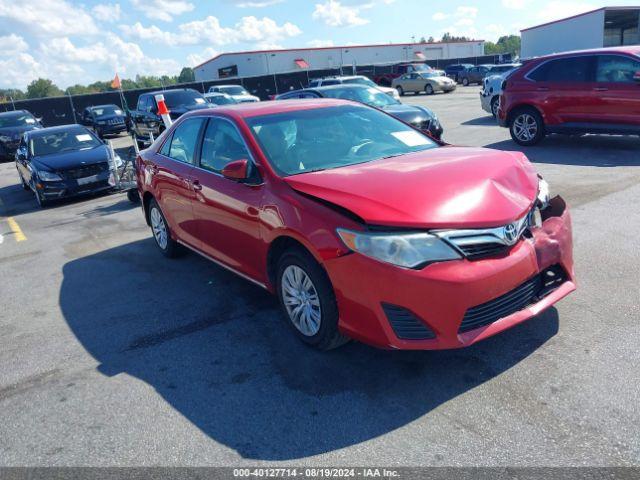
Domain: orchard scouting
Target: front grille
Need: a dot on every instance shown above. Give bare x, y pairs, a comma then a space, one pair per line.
483, 250
85, 171
530, 292
115, 121
405, 324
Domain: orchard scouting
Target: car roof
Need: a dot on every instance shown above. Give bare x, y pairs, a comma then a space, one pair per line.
227, 85
633, 50
256, 109
14, 112
157, 92
215, 94
59, 128
105, 105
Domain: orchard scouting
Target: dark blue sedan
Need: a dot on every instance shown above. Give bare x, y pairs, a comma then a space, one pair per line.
12, 126
104, 119
65, 161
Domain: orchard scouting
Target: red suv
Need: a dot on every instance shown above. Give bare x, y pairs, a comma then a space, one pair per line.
363, 226
589, 91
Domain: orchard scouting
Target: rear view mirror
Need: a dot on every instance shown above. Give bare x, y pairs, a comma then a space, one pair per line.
236, 170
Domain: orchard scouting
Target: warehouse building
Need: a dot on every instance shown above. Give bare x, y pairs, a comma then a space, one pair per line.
267, 62
604, 27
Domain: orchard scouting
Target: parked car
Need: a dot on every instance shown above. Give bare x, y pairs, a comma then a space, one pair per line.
502, 68
491, 90
362, 226
351, 80
104, 119
395, 71
419, 117
474, 75
588, 91
427, 82
12, 125
219, 99
62, 162
237, 92
145, 119
454, 71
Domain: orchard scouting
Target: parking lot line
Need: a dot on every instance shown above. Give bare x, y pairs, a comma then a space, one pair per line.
18, 234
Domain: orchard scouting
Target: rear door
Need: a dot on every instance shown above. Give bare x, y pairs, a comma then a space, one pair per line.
563, 89
617, 95
227, 211
173, 178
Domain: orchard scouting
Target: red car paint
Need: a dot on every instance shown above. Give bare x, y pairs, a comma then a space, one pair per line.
236, 224
596, 105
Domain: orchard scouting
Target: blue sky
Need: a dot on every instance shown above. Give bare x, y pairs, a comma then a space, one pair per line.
80, 42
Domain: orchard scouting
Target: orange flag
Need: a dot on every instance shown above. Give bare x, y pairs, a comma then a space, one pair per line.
116, 82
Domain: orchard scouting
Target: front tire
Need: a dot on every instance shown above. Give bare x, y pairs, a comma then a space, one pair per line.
400, 90
494, 106
465, 82
40, 200
308, 300
25, 185
428, 89
527, 127
161, 231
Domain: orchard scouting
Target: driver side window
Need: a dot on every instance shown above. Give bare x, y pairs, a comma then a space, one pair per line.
221, 145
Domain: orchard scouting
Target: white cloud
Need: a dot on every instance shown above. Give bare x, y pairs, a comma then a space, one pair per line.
107, 12
516, 4
47, 17
209, 31
466, 12
561, 9
259, 4
196, 59
320, 43
12, 44
334, 14
164, 10
439, 16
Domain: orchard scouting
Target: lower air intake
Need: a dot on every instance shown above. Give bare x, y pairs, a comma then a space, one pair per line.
405, 324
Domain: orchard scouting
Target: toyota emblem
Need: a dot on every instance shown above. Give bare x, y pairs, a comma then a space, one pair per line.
510, 233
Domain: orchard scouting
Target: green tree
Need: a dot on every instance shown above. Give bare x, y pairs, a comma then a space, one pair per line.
447, 37
186, 75
43, 87
423, 40
431, 40
6, 94
505, 44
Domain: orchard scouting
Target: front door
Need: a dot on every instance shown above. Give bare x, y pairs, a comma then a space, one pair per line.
227, 211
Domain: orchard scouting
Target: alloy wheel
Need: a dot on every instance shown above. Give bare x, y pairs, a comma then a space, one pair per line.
494, 107
159, 228
301, 300
525, 127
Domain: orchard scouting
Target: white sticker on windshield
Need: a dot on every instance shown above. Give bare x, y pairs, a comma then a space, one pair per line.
29, 120
200, 100
411, 138
85, 137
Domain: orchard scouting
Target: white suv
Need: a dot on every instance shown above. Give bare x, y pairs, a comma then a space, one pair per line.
237, 92
492, 88
352, 79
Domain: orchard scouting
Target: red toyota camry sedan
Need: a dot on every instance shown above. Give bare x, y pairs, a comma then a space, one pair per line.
363, 226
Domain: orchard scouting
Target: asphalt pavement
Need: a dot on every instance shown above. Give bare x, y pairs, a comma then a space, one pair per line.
111, 354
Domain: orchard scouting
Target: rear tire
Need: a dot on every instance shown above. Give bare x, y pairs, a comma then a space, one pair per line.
400, 90
526, 127
465, 82
494, 106
161, 231
428, 89
308, 301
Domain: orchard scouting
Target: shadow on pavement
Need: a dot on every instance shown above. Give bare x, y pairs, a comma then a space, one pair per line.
487, 121
587, 150
216, 349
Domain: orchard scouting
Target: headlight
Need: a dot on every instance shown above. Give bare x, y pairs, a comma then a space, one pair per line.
48, 176
101, 122
544, 195
5, 138
410, 250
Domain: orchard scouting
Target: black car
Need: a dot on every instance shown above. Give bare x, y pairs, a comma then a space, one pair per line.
65, 161
104, 119
145, 119
474, 74
419, 117
455, 71
12, 126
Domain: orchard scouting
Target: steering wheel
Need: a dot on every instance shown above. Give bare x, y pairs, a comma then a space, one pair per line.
356, 149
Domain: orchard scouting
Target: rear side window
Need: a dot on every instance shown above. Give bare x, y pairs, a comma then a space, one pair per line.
572, 69
185, 141
330, 82
616, 69
314, 83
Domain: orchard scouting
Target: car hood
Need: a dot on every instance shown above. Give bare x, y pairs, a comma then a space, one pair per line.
441, 79
176, 112
76, 158
446, 187
16, 132
409, 113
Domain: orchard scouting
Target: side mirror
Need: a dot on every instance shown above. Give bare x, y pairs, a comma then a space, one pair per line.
636, 76
236, 170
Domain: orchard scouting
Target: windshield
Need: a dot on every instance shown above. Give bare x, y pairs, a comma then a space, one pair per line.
421, 68
331, 137
62, 141
221, 100
182, 98
360, 81
233, 90
106, 110
17, 120
368, 96
430, 75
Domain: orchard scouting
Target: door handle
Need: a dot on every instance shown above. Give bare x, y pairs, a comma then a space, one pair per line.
601, 89
543, 89
195, 184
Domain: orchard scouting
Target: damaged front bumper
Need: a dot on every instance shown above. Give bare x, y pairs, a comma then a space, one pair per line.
457, 303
